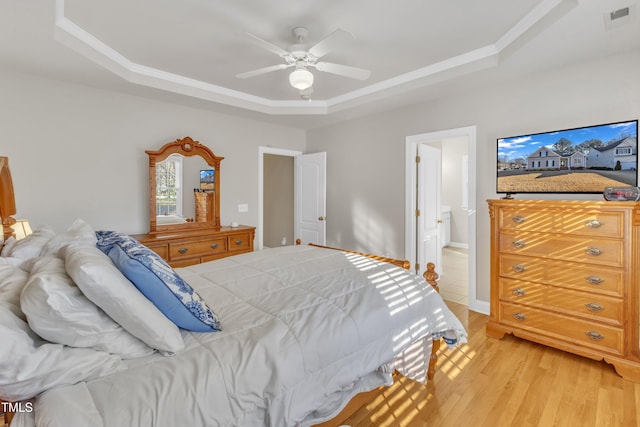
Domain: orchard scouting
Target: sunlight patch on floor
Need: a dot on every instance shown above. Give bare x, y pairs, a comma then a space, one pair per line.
451, 363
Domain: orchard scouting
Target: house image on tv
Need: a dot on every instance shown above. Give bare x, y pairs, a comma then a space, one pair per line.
545, 158
624, 150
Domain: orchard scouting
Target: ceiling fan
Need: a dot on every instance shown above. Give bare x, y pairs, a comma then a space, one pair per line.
301, 58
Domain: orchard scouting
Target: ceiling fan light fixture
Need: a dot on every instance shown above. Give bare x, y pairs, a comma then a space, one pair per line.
301, 78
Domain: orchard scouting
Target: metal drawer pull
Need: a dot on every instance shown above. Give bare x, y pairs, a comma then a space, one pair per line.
519, 268
592, 306
594, 280
238, 242
593, 251
518, 219
519, 292
519, 244
214, 246
183, 250
593, 223
519, 316
594, 335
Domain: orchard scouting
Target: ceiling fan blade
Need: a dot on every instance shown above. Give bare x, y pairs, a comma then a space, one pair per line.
267, 45
343, 70
333, 40
263, 70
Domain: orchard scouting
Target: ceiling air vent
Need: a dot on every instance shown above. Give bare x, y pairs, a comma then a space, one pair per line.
620, 13
618, 17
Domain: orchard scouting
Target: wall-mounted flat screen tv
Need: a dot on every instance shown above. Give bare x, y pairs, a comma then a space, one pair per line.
580, 160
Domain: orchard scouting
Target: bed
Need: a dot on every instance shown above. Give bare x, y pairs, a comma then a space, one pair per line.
279, 337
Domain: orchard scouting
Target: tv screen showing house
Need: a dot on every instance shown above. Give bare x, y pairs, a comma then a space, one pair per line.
579, 160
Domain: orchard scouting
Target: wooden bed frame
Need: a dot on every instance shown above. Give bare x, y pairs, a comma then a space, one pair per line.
8, 209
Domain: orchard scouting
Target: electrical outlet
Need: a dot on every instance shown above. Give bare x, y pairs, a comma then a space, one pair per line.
243, 207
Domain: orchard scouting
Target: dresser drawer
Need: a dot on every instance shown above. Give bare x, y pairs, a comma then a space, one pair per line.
589, 334
564, 247
587, 277
588, 223
523, 219
239, 242
196, 248
606, 224
189, 247
162, 250
590, 306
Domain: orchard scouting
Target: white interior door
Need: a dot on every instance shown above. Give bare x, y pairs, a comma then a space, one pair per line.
428, 247
310, 188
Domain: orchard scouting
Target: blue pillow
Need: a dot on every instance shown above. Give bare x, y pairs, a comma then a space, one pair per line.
160, 284
106, 239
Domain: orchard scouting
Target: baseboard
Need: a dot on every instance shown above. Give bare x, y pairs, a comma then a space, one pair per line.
458, 245
482, 307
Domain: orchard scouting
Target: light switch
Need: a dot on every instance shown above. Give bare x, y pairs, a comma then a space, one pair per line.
243, 207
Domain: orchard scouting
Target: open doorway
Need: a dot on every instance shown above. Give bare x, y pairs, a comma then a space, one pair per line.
463, 142
454, 227
275, 197
278, 206
309, 197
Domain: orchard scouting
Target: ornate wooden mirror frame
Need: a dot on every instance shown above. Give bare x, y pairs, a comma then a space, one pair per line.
186, 147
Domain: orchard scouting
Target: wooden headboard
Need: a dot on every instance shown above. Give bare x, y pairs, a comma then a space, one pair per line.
7, 199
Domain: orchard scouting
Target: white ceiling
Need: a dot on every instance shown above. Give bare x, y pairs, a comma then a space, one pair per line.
190, 51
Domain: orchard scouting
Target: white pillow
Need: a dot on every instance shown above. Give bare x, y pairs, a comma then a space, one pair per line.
16, 262
59, 312
8, 246
79, 232
102, 283
32, 245
29, 365
12, 281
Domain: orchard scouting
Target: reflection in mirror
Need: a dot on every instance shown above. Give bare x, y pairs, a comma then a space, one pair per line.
169, 187
184, 184
179, 180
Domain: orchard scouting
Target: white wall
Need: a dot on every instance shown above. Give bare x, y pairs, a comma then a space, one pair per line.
76, 151
365, 169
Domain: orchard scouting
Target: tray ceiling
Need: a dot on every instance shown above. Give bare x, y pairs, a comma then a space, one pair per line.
195, 48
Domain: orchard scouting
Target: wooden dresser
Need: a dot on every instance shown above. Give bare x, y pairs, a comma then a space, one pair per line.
565, 274
183, 248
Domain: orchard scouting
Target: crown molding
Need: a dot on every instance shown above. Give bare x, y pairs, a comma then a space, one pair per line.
76, 38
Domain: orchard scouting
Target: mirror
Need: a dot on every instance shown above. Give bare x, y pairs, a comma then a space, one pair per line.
184, 187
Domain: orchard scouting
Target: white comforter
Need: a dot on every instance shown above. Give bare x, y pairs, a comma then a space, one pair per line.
304, 329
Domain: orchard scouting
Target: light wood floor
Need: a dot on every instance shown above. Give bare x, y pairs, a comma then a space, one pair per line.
508, 382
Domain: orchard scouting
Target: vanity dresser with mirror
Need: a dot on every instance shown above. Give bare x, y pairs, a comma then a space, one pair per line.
184, 207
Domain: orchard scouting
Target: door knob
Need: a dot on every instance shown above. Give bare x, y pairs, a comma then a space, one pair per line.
322, 218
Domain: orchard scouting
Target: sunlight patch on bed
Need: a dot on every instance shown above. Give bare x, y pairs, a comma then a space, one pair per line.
361, 262
415, 331
399, 287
